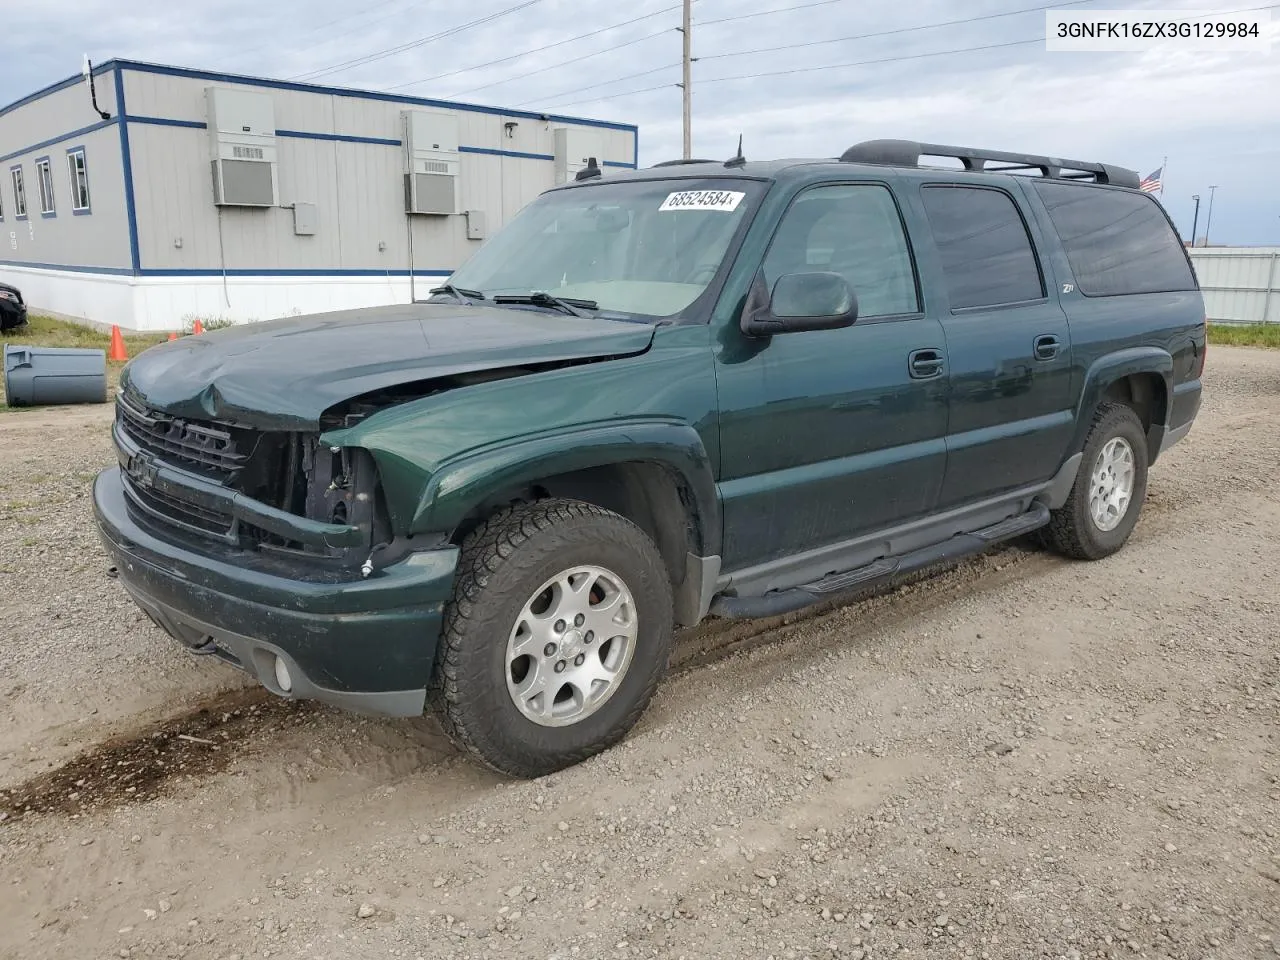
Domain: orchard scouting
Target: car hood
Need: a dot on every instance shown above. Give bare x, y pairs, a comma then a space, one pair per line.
284, 374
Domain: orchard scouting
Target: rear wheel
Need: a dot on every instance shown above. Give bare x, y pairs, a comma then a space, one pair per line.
1109, 490
558, 632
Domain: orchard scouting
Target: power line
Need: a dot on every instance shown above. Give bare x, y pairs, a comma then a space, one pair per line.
362, 14
603, 83
392, 51
766, 13
527, 53
855, 63
830, 66
275, 42
562, 63
898, 30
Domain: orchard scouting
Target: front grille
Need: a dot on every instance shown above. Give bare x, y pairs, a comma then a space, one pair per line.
213, 450
183, 512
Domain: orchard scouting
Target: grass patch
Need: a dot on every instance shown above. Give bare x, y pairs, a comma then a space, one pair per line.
47, 332
1245, 334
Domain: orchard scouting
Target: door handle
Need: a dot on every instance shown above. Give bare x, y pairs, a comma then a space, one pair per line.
1046, 347
926, 363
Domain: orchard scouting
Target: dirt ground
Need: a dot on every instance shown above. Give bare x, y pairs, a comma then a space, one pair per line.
1022, 757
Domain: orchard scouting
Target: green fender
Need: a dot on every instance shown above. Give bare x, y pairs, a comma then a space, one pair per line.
1106, 370
461, 484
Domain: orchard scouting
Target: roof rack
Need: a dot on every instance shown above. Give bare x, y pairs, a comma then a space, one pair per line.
676, 163
907, 153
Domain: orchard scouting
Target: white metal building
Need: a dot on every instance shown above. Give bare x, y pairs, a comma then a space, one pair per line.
1240, 284
211, 195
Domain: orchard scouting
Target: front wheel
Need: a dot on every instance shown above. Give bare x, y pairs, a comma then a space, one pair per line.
557, 634
1109, 490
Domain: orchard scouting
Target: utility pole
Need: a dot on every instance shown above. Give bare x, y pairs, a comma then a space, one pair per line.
688, 93
1195, 219
1209, 217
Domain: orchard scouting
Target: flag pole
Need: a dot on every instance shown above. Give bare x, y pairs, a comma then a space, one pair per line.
1164, 167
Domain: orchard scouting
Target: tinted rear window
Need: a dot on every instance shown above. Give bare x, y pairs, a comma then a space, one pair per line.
986, 253
1117, 242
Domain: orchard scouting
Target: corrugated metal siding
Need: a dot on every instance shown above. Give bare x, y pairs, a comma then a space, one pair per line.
358, 187
98, 239
1240, 284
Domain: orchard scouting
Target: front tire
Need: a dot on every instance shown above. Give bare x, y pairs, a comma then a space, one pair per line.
559, 629
1107, 496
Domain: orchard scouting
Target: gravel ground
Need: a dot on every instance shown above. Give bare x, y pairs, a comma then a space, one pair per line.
1022, 757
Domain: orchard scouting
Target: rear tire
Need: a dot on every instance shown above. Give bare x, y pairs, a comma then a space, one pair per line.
524, 683
1111, 485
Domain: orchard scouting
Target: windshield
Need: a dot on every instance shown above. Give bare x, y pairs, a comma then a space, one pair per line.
646, 248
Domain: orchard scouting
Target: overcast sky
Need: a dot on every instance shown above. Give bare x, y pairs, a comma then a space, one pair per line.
1215, 115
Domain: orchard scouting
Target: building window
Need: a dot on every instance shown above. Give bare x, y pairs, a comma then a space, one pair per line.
44, 179
19, 193
78, 173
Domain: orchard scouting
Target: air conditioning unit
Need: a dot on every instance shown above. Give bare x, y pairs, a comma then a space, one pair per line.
431, 162
574, 146
242, 144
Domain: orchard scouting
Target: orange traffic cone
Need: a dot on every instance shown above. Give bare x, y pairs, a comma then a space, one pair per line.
173, 336
117, 351
197, 327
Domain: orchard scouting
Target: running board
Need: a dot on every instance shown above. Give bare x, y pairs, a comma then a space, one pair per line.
777, 602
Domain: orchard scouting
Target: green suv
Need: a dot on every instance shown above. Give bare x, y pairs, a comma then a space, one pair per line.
732, 388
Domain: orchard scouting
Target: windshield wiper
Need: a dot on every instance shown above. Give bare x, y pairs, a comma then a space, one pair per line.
540, 298
458, 293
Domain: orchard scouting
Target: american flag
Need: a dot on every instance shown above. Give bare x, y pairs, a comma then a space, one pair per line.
1151, 182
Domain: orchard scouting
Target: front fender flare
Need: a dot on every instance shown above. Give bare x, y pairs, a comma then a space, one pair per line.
460, 485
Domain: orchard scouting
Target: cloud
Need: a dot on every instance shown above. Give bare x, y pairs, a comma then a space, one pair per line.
1215, 116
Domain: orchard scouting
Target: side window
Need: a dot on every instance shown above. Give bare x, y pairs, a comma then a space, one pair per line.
1116, 242
19, 192
853, 230
44, 178
78, 172
985, 249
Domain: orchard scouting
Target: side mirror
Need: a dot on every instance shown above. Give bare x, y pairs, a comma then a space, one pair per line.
799, 302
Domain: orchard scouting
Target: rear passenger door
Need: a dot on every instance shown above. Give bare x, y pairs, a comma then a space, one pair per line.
1008, 344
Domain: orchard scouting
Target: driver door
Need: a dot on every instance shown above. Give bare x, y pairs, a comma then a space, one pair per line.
832, 434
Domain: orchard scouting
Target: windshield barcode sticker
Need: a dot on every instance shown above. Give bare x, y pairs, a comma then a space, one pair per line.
726, 200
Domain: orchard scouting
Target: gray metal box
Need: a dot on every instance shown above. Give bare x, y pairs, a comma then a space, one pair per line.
475, 225
243, 183
305, 217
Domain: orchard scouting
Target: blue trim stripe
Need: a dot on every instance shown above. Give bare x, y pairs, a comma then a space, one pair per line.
506, 153
156, 68
339, 137
66, 268
127, 271
350, 138
129, 203
166, 122
53, 88
66, 136
420, 272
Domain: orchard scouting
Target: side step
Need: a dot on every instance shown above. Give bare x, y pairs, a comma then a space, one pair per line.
778, 602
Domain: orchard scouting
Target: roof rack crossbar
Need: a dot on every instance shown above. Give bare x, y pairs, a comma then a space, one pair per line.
907, 153
679, 163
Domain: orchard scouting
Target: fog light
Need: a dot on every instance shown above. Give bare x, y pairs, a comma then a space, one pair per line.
282, 675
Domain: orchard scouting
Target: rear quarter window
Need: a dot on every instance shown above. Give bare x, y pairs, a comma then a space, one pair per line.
1117, 242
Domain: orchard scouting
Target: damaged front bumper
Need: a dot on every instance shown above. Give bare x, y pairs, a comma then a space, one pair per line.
364, 645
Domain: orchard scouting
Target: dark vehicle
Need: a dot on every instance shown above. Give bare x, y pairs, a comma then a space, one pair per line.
734, 389
13, 311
